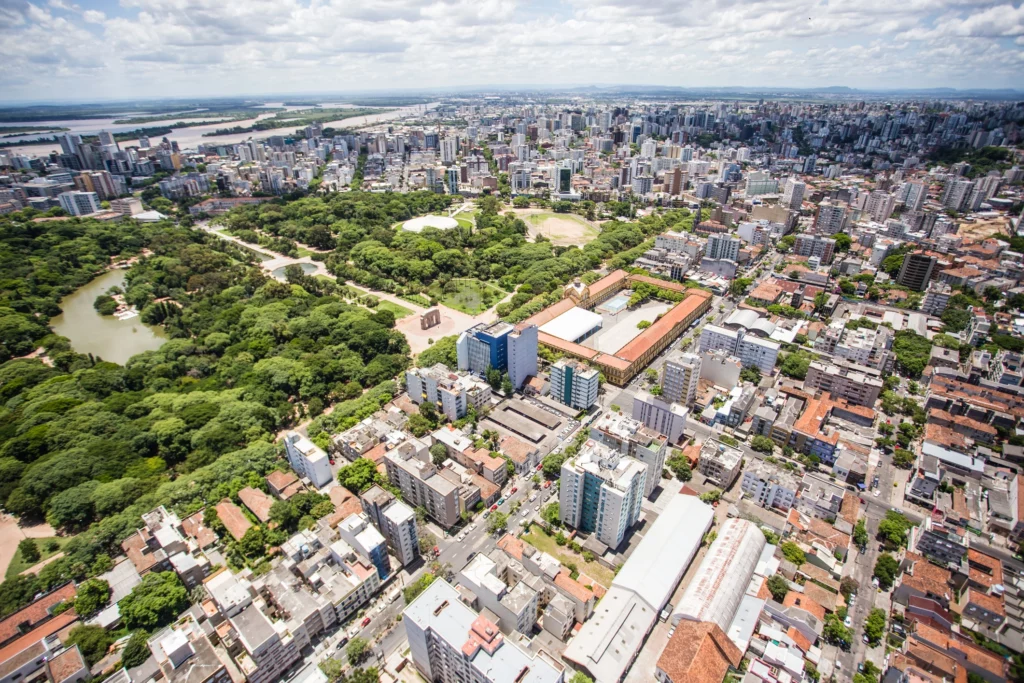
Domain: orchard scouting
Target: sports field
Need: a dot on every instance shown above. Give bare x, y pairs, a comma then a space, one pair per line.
563, 229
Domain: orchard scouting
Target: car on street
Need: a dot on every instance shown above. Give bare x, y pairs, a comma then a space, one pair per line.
877, 492
494, 508
342, 643
514, 489
847, 622
472, 527
501, 501
365, 622
547, 484
865, 638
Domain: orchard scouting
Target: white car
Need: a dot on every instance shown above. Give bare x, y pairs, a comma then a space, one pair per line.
472, 527
877, 492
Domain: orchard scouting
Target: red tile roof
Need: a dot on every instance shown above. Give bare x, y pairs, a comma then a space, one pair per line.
649, 337
35, 613
512, 546
258, 502
807, 604
65, 665
698, 652
19, 645
194, 528
233, 518
572, 587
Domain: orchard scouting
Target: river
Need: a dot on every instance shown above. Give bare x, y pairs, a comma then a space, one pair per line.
104, 336
192, 136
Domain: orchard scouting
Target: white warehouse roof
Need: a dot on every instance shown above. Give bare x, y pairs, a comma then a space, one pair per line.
718, 587
573, 324
610, 639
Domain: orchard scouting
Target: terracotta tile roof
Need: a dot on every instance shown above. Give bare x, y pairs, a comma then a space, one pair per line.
698, 652
550, 313
762, 591
258, 502
573, 587
649, 337
766, 291
989, 603
137, 548
233, 517
519, 451
810, 421
65, 665
406, 405
19, 645
799, 638
926, 577
35, 613
804, 602
292, 489
194, 528
377, 453
483, 457
692, 453
487, 488
827, 599
346, 504
930, 660
950, 420
936, 433
279, 480
986, 566
830, 535
512, 546
850, 509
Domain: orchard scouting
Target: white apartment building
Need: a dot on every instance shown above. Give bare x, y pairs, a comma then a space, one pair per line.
631, 437
769, 486
522, 354
831, 218
308, 460
879, 205
574, 383
400, 530
672, 241
79, 203
410, 469
270, 649
750, 350
679, 378
515, 606
453, 392
663, 416
601, 491
451, 643
793, 193
721, 246
720, 463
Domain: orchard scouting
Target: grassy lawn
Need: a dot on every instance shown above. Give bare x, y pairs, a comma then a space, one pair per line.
541, 541
303, 251
466, 221
399, 311
470, 296
18, 564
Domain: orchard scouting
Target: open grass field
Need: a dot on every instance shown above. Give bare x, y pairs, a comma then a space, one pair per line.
467, 295
18, 563
399, 311
541, 541
563, 229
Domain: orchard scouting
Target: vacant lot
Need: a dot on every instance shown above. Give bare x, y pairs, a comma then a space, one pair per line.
563, 229
469, 295
541, 541
983, 229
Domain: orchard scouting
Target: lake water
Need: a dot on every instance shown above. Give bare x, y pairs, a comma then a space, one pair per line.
192, 137
307, 268
104, 336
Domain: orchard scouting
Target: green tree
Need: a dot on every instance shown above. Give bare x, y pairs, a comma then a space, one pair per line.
438, 453
253, 545
712, 496
412, 591
498, 521
834, 631
136, 651
751, 374
792, 552
679, 466
903, 459
893, 529
92, 595
762, 444
357, 649
155, 602
285, 514
549, 513
580, 677
886, 568
778, 587
92, 641
860, 533
29, 550
874, 627
506, 385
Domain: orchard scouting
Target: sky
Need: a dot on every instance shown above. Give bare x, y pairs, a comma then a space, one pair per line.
59, 50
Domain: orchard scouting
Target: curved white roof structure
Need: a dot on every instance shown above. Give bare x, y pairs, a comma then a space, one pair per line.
718, 587
573, 324
749, 320
430, 221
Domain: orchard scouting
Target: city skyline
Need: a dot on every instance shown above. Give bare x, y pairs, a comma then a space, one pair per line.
99, 50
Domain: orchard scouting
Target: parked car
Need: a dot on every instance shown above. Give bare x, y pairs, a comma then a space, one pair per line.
494, 508
501, 501
365, 622
547, 484
514, 489
342, 643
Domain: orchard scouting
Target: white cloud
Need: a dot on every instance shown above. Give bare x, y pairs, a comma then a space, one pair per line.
216, 47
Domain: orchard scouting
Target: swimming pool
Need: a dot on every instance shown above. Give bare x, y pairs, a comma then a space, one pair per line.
615, 304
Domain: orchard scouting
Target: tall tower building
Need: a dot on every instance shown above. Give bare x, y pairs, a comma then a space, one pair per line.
679, 378
601, 491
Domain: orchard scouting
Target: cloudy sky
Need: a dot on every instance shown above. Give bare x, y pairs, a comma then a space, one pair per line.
54, 50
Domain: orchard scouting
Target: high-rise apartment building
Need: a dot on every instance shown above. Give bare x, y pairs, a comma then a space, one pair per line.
449, 150
79, 203
722, 246
574, 383
307, 459
501, 346
665, 417
815, 245
601, 491
679, 378
749, 348
831, 218
957, 194
522, 354
633, 438
880, 205
916, 271
793, 194
395, 520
